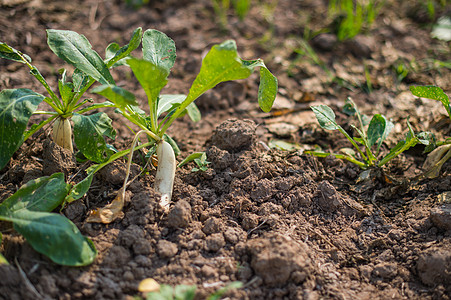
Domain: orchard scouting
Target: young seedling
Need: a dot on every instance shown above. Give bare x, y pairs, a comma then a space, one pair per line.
221, 63
155, 291
17, 105
241, 8
442, 153
371, 134
352, 16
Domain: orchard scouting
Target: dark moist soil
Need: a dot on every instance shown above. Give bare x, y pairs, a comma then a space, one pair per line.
287, 225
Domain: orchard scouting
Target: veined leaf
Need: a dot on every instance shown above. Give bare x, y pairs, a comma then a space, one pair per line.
88, 135
267, 89
115, 55
54, 236
80, 80
189, 158
76, 50
167, 102
432, 92
9, 52
325, 116
50, 234
378, 130
80, 189
159, 49
151, 77
193, 112
65, 88
222, 63
42, 194
16, 108
119, 96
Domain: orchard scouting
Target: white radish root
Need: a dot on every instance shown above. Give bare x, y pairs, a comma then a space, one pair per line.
164, 178
62, 133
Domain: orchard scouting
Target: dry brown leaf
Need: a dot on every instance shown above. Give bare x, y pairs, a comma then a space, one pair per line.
435, 161
110, 212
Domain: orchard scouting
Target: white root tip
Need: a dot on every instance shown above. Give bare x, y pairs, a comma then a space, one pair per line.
164, 178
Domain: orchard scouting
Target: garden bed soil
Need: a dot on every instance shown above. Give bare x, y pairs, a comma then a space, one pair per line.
285, 224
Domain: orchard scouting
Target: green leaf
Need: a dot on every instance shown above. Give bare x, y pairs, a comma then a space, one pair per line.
267, 90
119, 96
193, 112
80, 189
16, 108
80, 80
54, 236
173, 144
167, 102
66, 89
184, 292
325, 116
50, 234
76, 50
432, 92
349, 107
410, 141
151, 77
427, 138
159, 49
9, 52
115, 55
378, 130
42, 194
218, 294
442, 30
190, 158
96, 106
88, 135
222, 63
283, 145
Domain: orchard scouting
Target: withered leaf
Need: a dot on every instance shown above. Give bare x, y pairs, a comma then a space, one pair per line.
110, 212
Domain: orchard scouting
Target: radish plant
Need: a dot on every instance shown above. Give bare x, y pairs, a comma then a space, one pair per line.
17, 105
371, 134
222, 63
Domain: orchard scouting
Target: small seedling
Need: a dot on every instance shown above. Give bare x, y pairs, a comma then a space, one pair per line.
351, 17
221, 7
155, 291
200, 158
202, 163
371, 134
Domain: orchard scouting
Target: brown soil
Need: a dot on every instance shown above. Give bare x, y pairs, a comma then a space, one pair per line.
287, 225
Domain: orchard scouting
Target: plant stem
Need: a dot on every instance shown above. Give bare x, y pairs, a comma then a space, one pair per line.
388, 158
355, 145
353, 160
34, 130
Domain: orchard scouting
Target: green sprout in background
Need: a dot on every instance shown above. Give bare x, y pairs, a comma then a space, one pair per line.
371, 135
